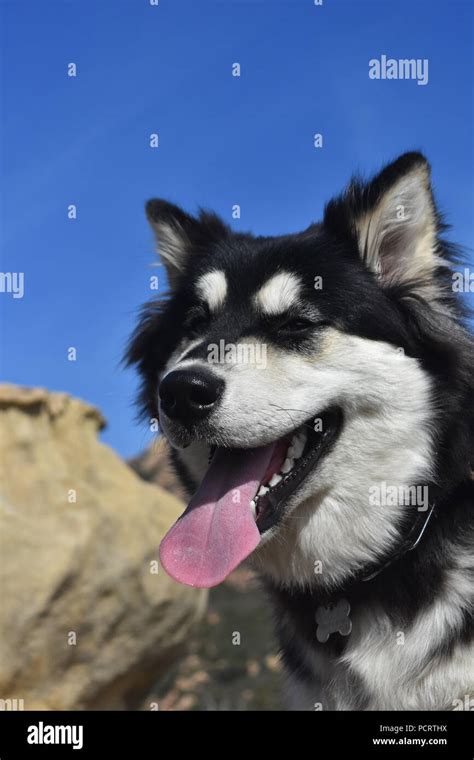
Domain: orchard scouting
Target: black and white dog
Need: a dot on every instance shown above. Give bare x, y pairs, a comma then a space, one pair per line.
317, 390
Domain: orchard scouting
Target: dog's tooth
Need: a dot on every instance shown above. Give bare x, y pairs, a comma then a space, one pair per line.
287, 466
262, 491
275, 480
253, 507
297, 444
298, 447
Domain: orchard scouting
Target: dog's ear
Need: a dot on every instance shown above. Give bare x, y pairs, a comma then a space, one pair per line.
179, 234
394, 222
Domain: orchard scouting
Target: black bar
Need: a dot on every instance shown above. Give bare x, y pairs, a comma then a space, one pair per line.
317, 735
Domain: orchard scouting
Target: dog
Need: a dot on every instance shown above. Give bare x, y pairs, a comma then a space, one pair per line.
317, 393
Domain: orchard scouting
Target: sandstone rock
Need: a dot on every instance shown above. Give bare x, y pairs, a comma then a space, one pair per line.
84, 622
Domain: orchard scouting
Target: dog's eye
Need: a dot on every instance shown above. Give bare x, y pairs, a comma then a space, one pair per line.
296, 325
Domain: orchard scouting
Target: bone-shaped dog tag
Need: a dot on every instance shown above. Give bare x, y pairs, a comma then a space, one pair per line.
334, 618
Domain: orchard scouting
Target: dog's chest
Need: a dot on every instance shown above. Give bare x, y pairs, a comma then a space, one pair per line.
332, 654
319, 677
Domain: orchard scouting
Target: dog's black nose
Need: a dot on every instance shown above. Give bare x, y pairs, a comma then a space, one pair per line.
189, 395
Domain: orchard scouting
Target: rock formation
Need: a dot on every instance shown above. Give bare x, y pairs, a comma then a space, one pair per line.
88, 618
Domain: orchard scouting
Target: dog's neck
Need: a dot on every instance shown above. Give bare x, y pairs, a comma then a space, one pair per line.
402, 584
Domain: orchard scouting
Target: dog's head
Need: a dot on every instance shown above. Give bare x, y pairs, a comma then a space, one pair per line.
297, 377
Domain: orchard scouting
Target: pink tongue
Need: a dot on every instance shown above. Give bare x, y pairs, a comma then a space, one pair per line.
217, 530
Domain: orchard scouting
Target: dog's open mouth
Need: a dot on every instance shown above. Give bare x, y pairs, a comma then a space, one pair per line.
294, 457
243, 494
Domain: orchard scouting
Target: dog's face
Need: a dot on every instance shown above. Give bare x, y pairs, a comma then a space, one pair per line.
286, 373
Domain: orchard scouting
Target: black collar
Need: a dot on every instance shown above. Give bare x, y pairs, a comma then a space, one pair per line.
333, 616
410, 542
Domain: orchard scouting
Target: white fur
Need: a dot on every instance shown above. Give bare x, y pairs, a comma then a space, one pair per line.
395, 674
172, 243
279, 293
397, 668
386, 400
387, 404
397, 238
212, 288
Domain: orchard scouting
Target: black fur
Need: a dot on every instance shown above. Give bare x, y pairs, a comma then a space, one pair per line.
395, 313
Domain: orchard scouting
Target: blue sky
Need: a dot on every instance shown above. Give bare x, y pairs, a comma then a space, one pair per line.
223, 140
